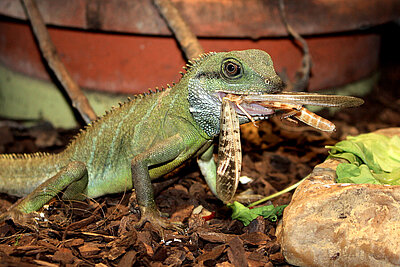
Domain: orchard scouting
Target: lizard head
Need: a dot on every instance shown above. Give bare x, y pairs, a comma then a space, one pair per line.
237, 72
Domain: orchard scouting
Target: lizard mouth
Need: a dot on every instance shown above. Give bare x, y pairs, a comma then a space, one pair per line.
256, 111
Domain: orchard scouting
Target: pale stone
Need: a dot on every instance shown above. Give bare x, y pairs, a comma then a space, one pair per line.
330, 224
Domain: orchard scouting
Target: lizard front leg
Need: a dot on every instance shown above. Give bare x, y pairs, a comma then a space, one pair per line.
72, 179
161, 153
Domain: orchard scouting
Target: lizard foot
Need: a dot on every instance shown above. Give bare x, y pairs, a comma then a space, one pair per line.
153, 216
21, 219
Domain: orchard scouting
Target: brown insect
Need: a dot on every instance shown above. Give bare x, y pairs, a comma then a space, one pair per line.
229, 149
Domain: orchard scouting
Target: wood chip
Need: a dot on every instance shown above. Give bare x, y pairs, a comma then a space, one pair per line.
214, 236
89, 249
45, 263
255, 238
224, 264
128, 259
213, 254
74, 242
63, 255
236, 252
182, 213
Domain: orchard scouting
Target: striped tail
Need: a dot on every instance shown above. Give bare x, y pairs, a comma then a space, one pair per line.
20, 174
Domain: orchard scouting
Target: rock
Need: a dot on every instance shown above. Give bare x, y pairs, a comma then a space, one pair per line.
330, 224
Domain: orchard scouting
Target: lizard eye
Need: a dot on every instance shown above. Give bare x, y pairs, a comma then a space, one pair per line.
231, 69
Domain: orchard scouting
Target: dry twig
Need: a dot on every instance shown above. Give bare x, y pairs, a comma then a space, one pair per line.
302, 75
185, 37
49, 51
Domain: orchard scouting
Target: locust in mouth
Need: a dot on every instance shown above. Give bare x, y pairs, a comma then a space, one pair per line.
262, 106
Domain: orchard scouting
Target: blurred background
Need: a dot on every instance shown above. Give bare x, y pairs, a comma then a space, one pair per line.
125, 47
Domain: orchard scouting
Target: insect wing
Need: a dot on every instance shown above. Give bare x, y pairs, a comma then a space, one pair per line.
313, 99
229, 153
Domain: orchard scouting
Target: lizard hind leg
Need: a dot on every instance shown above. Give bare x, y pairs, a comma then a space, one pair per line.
72, 179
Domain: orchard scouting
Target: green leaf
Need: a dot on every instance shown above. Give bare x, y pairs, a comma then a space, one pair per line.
246, 215
359, 151
347, 156
392, 178
350, 173
373, 159
394, 149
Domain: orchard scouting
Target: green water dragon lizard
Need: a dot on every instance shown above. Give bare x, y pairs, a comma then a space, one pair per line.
144, 138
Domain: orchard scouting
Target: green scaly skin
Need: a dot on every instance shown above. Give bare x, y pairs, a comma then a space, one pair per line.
143, 139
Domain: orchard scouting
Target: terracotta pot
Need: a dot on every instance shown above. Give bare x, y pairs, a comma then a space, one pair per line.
132, 49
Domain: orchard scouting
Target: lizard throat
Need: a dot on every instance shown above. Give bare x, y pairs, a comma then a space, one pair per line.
204, 107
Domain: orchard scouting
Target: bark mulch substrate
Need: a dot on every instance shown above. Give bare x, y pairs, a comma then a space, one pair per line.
99, 231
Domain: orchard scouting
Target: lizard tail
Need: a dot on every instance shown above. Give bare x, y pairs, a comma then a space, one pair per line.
20, 174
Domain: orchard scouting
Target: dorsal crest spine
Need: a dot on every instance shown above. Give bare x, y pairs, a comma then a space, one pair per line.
192, 63
189, 67
24, 156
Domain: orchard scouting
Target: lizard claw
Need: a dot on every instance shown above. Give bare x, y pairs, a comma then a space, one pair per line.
21, 219
153, 216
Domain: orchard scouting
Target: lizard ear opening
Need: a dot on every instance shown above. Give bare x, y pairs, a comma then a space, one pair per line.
232, 69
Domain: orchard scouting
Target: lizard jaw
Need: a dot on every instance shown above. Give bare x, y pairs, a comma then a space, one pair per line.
256, 111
